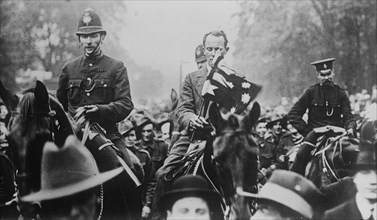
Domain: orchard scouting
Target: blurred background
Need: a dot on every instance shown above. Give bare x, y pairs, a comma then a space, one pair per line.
271, 42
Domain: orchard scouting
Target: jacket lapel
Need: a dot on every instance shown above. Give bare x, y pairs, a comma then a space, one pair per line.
200, 79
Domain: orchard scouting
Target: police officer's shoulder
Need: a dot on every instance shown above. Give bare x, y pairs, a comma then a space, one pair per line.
73, 61
112, 61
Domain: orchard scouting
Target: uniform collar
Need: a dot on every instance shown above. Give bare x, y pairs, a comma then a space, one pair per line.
94, 57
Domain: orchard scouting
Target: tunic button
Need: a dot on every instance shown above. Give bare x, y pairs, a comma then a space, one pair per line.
105, 85
90, 64
88, 94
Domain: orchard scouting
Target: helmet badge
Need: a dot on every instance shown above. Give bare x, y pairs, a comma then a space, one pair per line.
86, 18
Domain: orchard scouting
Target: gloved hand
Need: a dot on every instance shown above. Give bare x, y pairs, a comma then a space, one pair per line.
91, 112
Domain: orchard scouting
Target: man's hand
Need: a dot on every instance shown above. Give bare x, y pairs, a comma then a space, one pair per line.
91, 112
350, 132
197, 122
145, 212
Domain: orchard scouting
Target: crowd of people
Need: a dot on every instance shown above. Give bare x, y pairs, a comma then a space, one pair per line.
97, 86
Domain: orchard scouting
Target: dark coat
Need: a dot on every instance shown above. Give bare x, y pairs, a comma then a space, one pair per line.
149, 182
344, 211
191, 100
327, 106
101, 81
158, 151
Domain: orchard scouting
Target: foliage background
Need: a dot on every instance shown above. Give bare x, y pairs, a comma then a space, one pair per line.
276, 42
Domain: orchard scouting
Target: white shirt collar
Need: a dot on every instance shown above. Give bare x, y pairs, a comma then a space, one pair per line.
365, 207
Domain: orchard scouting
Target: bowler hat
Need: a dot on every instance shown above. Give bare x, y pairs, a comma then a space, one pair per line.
199, 54
67, 171
186, 186
90, 23
143, 122
291, 190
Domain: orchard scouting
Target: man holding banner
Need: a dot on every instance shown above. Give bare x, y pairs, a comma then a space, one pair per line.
213, 83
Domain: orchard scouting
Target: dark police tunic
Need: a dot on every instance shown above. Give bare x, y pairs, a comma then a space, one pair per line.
100, 81
328, 105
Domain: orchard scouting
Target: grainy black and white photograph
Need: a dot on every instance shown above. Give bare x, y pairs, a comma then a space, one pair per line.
184, 110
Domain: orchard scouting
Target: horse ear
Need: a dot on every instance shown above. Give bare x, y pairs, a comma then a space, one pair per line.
174, 98
10, 100
41, 94
253, 116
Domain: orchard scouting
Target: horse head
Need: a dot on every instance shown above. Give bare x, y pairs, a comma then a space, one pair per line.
236, 151
38, 118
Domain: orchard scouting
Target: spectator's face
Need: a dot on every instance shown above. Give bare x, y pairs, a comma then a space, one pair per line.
260, 129
267, 211
189, 208
80, 206
3, 111
147, 133
366, 183
276, 128
323, 77
130, 138
91, 42
165, 130
214, 45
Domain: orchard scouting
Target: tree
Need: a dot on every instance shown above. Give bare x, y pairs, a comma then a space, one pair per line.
282, 38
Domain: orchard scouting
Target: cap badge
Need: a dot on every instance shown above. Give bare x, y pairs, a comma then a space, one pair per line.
86, 18
324, 66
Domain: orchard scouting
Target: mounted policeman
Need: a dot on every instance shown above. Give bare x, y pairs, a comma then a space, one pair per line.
327, 105
96, 82
96, 87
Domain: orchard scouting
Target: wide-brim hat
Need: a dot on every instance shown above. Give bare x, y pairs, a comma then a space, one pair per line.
291, 190
162, 123
275, 119
187, 186
90, 23
143, 122
68, 171
127, 127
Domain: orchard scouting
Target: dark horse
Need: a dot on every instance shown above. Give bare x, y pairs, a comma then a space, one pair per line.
333, 156
228, 160
35, 119
38, 118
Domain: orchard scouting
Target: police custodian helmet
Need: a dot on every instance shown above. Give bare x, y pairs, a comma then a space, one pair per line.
90, 23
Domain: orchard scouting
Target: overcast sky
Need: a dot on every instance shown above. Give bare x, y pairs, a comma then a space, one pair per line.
162, 33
